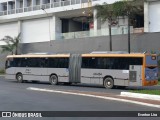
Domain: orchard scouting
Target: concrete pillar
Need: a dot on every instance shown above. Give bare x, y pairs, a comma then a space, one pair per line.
19, 27
146, 16
0, 7
32, 4
95, 22
50, 3
23, 4
15, 5
7, 8
56, 28
41, 2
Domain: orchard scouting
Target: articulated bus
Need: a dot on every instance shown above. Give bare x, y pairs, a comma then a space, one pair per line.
109, 70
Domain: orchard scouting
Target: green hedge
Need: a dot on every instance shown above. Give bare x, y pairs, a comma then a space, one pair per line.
2, 71
152, 92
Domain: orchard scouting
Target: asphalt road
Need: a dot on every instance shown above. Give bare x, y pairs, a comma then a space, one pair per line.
15, 97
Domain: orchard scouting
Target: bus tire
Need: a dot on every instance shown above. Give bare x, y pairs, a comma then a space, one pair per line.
108, 83
19, 78
53, 80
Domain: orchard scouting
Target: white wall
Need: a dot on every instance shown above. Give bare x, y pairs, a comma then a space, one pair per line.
10, 29
36, 30
121, 22
146, 15
154, 16
1, 1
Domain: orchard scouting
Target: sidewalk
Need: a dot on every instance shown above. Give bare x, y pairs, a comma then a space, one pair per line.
141, 96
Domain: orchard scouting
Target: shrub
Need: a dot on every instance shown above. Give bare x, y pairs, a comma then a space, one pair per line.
2, 71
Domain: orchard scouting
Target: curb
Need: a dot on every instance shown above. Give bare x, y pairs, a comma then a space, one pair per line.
140, 95
2, 75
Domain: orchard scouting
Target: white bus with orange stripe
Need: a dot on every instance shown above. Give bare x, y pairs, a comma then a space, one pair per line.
104, 69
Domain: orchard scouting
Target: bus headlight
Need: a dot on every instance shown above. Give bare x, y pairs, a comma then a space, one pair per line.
155, 74
147, 77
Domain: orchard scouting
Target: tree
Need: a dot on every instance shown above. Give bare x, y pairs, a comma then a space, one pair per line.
111, 12
11, 44
129, 9
105, 12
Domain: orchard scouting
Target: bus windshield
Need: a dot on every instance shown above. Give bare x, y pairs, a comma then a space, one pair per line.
151, 71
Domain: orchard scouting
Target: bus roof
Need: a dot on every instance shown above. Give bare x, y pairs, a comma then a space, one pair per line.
83, 55
38, 55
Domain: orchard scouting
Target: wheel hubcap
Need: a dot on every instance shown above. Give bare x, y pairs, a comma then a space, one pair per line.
19, 78
108, 83
53, 79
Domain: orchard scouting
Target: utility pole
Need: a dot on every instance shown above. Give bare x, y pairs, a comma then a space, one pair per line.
110, 30
110, 36
129, 37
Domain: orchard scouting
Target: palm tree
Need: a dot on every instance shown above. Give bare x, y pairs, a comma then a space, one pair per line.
11, 44
123, 8
129, 9
105, 12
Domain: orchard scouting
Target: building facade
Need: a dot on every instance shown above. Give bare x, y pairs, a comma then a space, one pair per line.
71, 26
152, 16
45, 20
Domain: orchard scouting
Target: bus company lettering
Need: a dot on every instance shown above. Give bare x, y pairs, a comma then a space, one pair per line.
97, 74
28, 71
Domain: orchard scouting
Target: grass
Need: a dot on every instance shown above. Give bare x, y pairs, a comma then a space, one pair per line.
2, 72
152, 92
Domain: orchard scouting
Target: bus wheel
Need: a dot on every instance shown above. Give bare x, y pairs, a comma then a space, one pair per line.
108, 83
19, 78
53, 80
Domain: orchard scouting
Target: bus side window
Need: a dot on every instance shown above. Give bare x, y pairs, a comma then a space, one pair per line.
89, 62
20, 62
63, 62
35, 62
43, 62
52, 62
84, 63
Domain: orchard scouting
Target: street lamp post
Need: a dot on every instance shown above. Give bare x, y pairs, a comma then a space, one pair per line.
110, 36
110, 30
129, 49
49, 31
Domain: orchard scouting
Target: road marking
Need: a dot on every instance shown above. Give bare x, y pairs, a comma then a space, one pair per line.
95, 96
